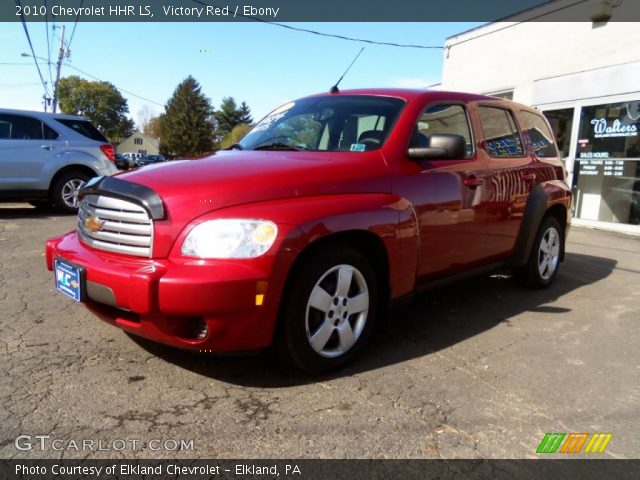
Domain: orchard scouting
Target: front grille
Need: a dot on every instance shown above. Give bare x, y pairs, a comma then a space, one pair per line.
125, 227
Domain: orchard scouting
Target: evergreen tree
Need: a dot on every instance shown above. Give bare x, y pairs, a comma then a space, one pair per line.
245, 114
227, 117
187, 127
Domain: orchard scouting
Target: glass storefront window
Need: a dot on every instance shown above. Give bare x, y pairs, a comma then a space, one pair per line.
607, 168
561, 122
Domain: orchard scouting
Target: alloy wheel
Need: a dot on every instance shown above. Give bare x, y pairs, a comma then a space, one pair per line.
337, 311
549, 253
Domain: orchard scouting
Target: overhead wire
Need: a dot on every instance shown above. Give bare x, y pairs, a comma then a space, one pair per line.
33, 53
73, 32
46, 27
332, 35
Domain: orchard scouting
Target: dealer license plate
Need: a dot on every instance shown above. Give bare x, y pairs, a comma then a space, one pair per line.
69, 279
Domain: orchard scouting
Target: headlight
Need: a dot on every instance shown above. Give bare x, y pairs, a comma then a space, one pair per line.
230, 238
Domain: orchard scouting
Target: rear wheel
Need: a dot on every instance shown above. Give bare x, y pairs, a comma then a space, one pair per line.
330, 310
544, 260
65, 191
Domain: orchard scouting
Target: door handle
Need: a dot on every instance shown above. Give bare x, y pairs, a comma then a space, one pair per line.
529, 177
47, 147
472, 182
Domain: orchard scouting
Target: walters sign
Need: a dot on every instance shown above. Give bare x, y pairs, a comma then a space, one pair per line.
602, 129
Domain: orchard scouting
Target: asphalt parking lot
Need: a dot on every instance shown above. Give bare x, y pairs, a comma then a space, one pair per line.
482, 369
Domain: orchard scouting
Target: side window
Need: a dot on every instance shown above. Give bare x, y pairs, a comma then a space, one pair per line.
442, 118
540, 135
500, 133
5, 127
49, 133
18, 127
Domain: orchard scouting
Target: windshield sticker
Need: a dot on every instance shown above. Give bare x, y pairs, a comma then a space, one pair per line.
358, 147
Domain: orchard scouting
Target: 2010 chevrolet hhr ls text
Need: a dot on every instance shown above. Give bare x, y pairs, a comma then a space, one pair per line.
330, 208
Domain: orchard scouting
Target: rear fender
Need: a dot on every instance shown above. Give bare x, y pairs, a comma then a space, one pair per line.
542, 198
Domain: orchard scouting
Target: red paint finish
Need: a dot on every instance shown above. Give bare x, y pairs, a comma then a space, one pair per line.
432, 218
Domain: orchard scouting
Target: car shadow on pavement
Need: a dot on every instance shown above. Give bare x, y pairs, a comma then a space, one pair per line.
433, 321
27, 211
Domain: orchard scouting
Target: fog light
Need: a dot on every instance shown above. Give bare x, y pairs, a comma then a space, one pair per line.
197, 328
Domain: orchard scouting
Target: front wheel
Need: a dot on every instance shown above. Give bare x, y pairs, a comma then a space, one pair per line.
65, 191
543, 263
330, 310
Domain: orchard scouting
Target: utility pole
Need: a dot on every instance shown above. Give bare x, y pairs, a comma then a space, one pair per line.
58, 67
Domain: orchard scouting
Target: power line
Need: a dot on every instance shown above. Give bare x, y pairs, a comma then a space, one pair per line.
332, 35
73, 32
46, 28
26, 31
90, 76
121, 89
342, 37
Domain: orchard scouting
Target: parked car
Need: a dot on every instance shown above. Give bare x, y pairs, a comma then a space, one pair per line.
329, 209
46, 158
149, 159
121, 162
132, 158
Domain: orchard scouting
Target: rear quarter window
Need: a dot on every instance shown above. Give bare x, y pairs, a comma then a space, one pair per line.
84, 128
539, 134
500, 132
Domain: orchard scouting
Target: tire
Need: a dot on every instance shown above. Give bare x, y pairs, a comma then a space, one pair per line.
544, 260
65, 191
330, 309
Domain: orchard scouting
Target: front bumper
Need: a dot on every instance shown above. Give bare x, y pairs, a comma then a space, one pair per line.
168, 300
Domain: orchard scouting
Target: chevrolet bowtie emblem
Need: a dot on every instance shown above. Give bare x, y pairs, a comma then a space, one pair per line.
94, 224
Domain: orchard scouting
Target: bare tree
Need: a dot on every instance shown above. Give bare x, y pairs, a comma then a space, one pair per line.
145, 114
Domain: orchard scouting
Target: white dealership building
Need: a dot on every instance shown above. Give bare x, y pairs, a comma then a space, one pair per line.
585, 76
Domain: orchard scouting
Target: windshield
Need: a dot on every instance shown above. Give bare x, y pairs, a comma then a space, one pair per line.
354, 123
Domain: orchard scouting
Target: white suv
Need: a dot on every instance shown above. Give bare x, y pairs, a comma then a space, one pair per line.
46, 158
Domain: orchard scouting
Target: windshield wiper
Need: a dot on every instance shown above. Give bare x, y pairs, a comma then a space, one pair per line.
278, 146
235, 146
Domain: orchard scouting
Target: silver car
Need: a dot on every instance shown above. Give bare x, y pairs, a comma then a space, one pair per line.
46, 158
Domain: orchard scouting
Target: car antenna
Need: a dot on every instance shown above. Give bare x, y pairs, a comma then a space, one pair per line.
334, 89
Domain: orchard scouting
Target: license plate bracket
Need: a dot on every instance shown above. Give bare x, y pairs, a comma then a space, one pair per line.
70, 279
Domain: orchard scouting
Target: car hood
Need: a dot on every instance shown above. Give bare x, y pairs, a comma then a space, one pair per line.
191, 188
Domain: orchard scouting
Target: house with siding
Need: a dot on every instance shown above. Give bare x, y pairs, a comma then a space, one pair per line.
139, 143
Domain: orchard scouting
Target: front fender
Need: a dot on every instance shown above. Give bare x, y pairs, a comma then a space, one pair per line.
306, 220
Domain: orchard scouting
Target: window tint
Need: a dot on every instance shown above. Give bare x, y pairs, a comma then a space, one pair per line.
501, 135
19, 127
540, 135
83, 127
442, 118
49, 133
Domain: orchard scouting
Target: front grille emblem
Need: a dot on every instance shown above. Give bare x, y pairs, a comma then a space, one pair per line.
94, 224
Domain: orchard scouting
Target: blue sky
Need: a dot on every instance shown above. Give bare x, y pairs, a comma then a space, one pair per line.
264, 65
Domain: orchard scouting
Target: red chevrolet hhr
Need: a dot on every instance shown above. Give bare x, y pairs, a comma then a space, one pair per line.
330, 208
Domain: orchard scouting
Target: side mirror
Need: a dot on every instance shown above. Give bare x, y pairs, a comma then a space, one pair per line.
442, 146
